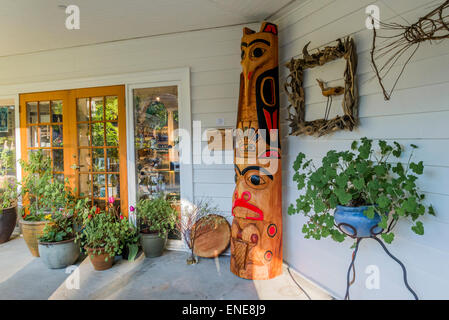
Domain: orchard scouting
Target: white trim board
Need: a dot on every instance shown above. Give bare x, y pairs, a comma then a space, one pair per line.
181, 78
185, 120
89, 82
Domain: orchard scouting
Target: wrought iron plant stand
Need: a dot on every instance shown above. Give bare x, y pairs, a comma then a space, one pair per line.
354, 254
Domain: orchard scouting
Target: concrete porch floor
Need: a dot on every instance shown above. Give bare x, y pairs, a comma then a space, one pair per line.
168, 277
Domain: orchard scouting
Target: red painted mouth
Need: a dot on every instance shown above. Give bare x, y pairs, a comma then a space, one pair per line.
243, 203
249, 75
271, 154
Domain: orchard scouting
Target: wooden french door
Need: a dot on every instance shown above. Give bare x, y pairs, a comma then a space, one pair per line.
83, 131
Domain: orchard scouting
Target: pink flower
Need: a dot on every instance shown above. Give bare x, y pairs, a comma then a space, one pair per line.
121, 217
111, 200
131, 208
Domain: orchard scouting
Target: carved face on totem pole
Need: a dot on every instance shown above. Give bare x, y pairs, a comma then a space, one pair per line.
256, 239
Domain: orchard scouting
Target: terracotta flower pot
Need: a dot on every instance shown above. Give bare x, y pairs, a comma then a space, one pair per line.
8, 219
32, 231
98, 260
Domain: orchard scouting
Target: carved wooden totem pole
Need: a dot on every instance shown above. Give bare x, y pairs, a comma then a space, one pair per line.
256, 235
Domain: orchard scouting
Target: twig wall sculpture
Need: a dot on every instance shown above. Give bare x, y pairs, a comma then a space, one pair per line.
433, 26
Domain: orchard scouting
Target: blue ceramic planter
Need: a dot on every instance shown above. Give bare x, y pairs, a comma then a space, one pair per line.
353, 222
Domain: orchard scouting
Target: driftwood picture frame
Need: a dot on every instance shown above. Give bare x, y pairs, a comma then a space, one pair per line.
295, 91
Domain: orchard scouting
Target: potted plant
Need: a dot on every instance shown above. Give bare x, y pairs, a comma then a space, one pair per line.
58, 247
41, 198
130, 238
101, 235
368, 191
8, 197
156, 219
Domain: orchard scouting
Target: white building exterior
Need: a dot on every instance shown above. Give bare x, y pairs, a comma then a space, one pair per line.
417, 113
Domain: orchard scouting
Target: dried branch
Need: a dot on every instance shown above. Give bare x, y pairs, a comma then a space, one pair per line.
196, 220
433, 26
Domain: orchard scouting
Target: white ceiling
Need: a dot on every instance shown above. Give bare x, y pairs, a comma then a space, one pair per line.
35, 25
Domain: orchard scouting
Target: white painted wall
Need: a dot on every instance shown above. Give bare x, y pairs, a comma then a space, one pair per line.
417, 113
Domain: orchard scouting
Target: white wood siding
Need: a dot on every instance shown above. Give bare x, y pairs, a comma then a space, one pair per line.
417, 113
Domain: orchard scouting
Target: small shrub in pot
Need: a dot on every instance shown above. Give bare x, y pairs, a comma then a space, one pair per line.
58, 247
156, 218
43, 196
101, 235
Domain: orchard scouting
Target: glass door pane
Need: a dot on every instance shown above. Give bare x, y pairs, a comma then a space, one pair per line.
98, 149
44, 131
157, 156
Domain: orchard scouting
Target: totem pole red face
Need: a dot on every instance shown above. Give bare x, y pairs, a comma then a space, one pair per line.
256, 244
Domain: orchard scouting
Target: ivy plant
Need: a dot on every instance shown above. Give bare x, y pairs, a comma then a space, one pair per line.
361, 176
156, 215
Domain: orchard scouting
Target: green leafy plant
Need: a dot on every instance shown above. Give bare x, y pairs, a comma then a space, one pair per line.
63, 224
156, 115
44, 195
8, 192
156, 215
130, 237
102, 231
8, 195
361, 176
6, 161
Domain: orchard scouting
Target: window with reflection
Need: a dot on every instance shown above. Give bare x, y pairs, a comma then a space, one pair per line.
98, 149
7, 143
157, 155
44, 125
